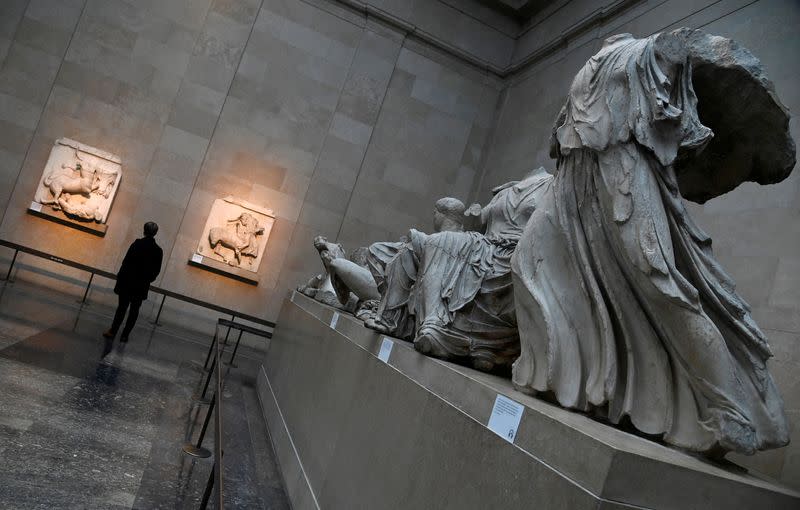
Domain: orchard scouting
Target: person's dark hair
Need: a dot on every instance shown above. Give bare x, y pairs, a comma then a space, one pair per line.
150, 229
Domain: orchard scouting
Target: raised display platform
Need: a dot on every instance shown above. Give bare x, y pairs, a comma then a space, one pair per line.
354, 431
223, 269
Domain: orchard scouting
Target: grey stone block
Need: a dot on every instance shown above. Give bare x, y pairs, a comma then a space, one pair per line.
206, 71
193, 120
5, 45
11, 12
32, 62
18, 111
241, 11
323, 71
161, 56
350, 130
33, 89
35, 34
81, 80
58, 13
183, 143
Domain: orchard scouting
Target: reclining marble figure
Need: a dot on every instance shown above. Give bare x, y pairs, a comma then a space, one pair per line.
623, 310
355, 284
394, 268
460, 295
323, 287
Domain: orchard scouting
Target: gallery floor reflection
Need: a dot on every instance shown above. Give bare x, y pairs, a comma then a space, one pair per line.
92, 423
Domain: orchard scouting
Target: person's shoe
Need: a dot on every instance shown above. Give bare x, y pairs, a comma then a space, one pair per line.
123, 338
109, 334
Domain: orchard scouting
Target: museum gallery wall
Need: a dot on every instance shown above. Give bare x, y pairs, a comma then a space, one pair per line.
338, 125
343, 127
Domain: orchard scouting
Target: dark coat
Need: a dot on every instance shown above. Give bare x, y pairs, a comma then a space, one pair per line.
139, 269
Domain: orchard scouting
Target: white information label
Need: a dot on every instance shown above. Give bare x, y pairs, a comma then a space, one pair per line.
196, 257
386, 350
334, 320
36, 206
505, 418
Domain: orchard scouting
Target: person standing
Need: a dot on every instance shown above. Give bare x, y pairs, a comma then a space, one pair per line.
139, 269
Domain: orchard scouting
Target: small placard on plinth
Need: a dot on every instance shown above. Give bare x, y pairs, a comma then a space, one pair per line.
505, 418
386, 350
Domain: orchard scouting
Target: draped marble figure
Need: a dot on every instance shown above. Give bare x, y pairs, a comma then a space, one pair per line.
394, 267
324, 287
623, 310
457, 285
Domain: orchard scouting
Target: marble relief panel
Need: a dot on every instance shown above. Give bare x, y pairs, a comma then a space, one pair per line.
78, 183
236, 233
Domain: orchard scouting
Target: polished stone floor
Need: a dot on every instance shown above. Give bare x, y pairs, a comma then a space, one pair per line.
87, 423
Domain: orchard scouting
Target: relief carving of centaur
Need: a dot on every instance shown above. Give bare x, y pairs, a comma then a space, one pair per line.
240, 236
235, 235
79, 181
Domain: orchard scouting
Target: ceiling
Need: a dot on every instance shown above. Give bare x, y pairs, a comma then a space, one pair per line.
521, 10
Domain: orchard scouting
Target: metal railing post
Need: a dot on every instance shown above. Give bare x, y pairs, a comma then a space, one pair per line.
200, 398
197, 450
233, 319
160, 307
13, 259
209, 488
236, 348
86, 292
218, 450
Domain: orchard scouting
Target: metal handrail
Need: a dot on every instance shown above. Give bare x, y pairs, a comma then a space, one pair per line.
216, 481
218, 467
106, 274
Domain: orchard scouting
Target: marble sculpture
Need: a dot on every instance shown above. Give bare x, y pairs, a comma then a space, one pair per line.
236, 233
325, 287
394, 268
623, 309
80, 181
456, 285
594, 282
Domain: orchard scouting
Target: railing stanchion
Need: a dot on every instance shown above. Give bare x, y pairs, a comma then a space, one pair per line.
200, 398
197, 450
218, 450
88, 285
211, 349
160, 307
13, 259
236, 348
233, 319
209, 488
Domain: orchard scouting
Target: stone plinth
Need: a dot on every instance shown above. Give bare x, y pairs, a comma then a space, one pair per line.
352, 431
223, 269
98, 229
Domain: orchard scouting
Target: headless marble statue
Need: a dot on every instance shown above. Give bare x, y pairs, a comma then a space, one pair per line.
623, 310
